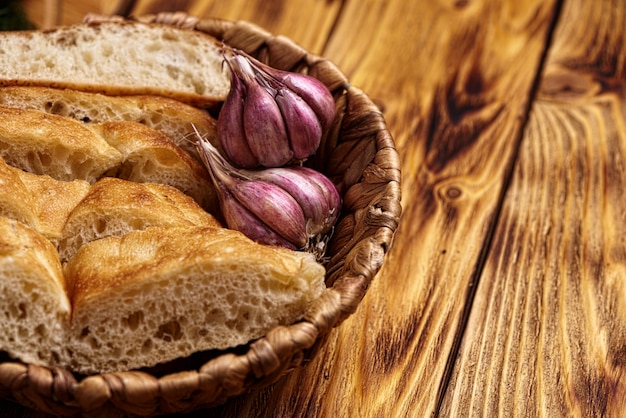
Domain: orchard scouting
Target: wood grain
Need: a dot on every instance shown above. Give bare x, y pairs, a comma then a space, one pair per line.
308, 23
547, 333
47, 14
504, 293
455, 103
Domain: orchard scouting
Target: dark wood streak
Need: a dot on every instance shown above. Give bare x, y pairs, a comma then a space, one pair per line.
457, 121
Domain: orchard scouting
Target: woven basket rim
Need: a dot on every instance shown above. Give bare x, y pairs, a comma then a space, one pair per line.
355, 259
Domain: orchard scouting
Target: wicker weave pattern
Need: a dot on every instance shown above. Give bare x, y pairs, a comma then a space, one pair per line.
359, 155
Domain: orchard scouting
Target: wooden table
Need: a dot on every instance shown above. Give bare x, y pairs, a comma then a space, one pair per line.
505, 291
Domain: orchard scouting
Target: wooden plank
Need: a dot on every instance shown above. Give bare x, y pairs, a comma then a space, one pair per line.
47, 14
307, 22
454, 79
547, 334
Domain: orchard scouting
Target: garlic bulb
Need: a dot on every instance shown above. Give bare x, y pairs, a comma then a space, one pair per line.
293, 207
271, 118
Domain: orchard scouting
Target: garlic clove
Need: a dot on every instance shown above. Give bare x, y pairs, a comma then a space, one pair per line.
275, 207
303, 127
264, 128
329, 190
239, 218
313, 92
230, 126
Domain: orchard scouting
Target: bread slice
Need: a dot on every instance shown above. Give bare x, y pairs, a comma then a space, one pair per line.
33, 297
114, 207
106, 58
150, 157
227, 290
57, 146
52, 201
170, 117
40, 202
16, 202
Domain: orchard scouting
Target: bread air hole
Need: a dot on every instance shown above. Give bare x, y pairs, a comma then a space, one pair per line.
154, 119
169, 331
57, 108
231, 298
106, 50
149, 168
85, 332
146, 347
49, 63
94, 343
32, 161
45, 160
101, 225
133, 320
23, 333
17, 311
173, 72
41, 331
198, 86
60, 153
82, 166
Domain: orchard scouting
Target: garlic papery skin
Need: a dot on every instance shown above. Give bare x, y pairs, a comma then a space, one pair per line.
293, 207
271, 118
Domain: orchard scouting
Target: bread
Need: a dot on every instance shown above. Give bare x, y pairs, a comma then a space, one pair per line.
16, 201
101, 274
114, 207
66, 149
227, 289
150, 157
40, 202
35, 306
133, 294
174, 119
60, 147
105, 58
51, 202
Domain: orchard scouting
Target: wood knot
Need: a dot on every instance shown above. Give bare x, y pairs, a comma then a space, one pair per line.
460, 4
564, 83
453, 192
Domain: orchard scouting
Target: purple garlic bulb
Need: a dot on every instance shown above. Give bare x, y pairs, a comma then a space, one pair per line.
271, 118
293, 207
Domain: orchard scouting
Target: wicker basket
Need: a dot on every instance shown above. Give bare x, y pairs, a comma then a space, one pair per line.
359, 155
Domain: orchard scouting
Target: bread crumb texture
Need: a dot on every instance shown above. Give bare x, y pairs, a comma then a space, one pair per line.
228, 291
105, 57
35, 305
